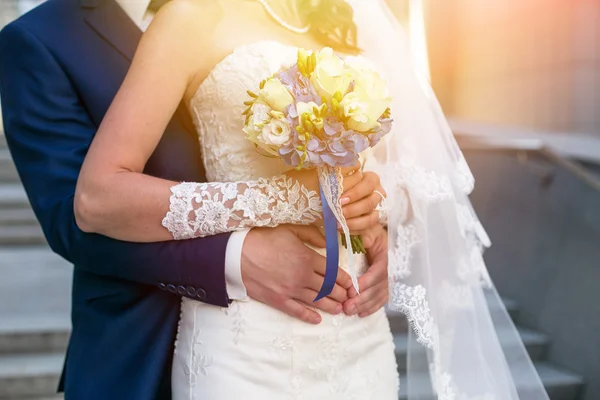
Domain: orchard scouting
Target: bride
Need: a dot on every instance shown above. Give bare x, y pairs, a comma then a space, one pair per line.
209, 53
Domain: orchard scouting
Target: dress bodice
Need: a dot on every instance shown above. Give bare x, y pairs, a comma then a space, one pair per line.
218, 105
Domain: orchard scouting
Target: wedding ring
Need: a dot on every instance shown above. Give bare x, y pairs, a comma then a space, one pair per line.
381, 208
382, 205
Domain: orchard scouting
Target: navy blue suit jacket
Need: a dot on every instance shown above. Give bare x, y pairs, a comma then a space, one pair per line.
60, 67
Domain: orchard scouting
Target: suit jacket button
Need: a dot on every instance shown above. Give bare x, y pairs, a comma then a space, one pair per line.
181, 290
201, 294
171, 288
162, 286
191, 291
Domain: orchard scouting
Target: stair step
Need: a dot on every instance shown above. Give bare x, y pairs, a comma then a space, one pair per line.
399, 324
8, 172
19, 216
29, 374
535, 343
34, 334
36, 283
13, 196
560, 384
21, 236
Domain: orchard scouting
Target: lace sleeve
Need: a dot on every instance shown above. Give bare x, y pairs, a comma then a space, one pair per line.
205, 209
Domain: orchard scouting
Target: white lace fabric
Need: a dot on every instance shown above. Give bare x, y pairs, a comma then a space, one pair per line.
205, 209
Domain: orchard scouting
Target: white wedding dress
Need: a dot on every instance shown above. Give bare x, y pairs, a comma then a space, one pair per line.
249, 350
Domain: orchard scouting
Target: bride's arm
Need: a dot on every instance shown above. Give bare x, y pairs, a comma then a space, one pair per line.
116, 199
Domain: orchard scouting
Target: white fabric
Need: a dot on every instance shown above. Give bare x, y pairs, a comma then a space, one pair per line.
137, 10
210, 208
437, 274
236, 290
249, 350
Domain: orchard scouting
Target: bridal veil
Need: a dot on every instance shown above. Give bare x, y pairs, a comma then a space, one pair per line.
438, 278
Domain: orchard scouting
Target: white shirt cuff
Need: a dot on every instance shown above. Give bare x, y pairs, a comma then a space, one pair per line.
236, 290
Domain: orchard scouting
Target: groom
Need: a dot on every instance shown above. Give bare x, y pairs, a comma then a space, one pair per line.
60, 67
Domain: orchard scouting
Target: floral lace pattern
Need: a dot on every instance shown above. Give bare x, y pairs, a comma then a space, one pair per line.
401, 254
205, 209
412, 301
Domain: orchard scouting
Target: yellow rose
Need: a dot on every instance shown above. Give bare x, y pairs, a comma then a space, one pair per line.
330, 75
275, 95
369, 100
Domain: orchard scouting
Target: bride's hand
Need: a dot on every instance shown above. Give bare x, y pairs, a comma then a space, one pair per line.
360, 201
310, 180
362, 193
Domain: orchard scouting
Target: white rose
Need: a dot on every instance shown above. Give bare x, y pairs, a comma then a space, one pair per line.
259, 117
277, 132
330, 75
275, 95
357, 112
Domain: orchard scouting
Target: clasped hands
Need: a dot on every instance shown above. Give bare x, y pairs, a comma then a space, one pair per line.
278, 269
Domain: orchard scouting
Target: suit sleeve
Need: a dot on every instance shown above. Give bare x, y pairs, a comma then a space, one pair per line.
48, 131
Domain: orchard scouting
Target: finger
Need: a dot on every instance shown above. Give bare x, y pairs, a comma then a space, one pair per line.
350, 170
361, 207
363, 222
338, 293
351, 181
368, 301
297, 310
325, 304
376, 274
373, 307
343, 279
369, 183
309, 234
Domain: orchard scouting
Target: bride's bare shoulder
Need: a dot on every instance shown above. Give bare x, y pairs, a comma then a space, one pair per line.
189, 16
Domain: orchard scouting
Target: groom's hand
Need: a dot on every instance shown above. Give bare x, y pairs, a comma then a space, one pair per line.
373, 284
279, 270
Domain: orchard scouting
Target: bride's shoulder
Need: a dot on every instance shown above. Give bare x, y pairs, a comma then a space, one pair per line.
191, 19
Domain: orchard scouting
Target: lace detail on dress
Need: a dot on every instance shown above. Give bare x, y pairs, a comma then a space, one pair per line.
205, 209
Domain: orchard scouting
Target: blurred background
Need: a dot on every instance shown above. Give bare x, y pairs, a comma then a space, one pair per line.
520, 83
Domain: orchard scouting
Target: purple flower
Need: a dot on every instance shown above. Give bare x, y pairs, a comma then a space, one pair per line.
386, 127
298, 85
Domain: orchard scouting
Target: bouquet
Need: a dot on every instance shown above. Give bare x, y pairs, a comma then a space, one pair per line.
322, 113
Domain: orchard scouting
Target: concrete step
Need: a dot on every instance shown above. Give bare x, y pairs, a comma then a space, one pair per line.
43, 333
560, 384
399, 324
13, 196
8, 172
33, 375
536, 344
35, 286
19, 216
21, 236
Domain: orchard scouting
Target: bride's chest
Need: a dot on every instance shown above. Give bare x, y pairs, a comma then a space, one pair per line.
218, 105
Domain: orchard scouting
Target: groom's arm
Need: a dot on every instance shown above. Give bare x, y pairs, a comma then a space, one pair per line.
49, 131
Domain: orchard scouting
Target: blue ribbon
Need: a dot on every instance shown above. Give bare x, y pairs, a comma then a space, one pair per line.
333, 255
